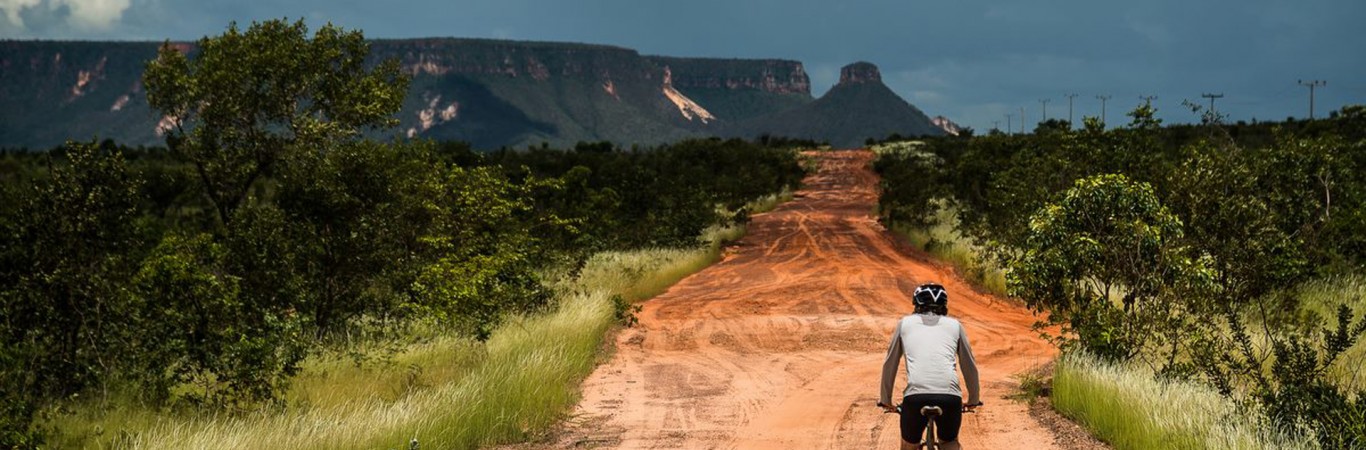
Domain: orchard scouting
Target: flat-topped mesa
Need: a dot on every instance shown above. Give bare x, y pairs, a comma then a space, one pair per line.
768, 75
859, 73
535, 60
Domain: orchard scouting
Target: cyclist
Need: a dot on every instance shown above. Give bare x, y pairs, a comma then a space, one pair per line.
932, 344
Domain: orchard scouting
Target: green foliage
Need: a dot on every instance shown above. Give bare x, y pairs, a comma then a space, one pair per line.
1253, 241
64, 257
1291, 379
1107, 238
912, 178
273, 230
1129, 408
246, 99
196, 337
356, 220
486, 267
1144, 118
1252, 210
666, 196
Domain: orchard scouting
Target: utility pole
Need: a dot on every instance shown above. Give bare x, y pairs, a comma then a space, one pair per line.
1010, 129
1211, 98
1069, 108
1022, 120
1044, 101
1147, 100
995, 124
1311, 85
1102, 98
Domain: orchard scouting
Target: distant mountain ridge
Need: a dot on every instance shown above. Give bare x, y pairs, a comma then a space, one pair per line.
491, 93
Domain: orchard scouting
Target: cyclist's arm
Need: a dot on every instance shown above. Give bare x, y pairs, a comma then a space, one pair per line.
894, 354
969, 367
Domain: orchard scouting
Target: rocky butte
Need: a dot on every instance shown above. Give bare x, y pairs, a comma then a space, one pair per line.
491, 93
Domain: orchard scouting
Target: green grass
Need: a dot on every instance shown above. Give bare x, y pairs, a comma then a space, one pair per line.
946, 244
718, 235
1130, 409
1319, 301
444, 391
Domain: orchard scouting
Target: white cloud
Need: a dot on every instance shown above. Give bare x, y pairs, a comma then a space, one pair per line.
84, 14
12, 9
98, 14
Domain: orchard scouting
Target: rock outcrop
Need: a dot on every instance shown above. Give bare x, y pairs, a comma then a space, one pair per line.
859, 107
860, 73
491, 93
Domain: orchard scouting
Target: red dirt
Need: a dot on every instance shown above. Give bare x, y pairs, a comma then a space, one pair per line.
780, 345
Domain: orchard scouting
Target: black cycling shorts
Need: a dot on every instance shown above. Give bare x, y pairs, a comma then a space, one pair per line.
946, 425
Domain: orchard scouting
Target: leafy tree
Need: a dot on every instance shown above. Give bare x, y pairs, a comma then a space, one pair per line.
911, 180
484, 267
355, 218
1144, 118
1053, 126
62, 264
195, 330
245, 99
1105, 261
1233, 217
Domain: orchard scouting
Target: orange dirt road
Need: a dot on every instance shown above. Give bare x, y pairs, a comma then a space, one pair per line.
780, 345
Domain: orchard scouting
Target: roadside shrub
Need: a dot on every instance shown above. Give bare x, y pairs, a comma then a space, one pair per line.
1106, 262
198, 340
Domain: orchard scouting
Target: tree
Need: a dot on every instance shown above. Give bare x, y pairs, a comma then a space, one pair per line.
246, 98
63, 263
484, 266
1105, 261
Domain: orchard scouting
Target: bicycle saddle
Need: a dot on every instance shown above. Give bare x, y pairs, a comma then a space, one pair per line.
931, 411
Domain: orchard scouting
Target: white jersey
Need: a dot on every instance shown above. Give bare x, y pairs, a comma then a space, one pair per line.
932, 346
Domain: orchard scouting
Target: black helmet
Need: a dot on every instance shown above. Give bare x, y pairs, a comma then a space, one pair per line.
931, 294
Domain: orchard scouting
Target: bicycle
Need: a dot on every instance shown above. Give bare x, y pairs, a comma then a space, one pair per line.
931, 439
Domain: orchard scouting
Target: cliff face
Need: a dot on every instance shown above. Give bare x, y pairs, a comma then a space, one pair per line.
774, 76
535, 60
506, 93
857, 108
488, 92
739, 89
54, 91
860, 73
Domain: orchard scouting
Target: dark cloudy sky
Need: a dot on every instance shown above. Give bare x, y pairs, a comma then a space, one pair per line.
971, 60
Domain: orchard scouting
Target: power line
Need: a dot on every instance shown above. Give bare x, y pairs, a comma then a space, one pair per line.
1069, 108
1311, 85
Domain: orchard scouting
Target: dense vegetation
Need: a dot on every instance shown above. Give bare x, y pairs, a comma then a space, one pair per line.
1180, 248
200, 276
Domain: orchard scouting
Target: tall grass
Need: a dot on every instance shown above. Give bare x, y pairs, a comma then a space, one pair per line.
1131, 409
445, 392
945, 243
1319, 301
718, 235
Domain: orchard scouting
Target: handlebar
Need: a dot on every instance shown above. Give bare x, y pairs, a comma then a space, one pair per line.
968, 408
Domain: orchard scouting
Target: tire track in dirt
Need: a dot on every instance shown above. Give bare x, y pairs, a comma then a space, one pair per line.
780, 344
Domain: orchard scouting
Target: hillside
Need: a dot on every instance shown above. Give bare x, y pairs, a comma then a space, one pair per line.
491, 93
859, 107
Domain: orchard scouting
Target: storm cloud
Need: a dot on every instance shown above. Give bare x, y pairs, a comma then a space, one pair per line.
973, 61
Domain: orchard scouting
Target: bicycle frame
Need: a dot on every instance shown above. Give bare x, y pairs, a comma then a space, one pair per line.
931, 439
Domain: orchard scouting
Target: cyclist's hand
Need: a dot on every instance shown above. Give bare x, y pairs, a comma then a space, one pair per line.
971, 407
887, 408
